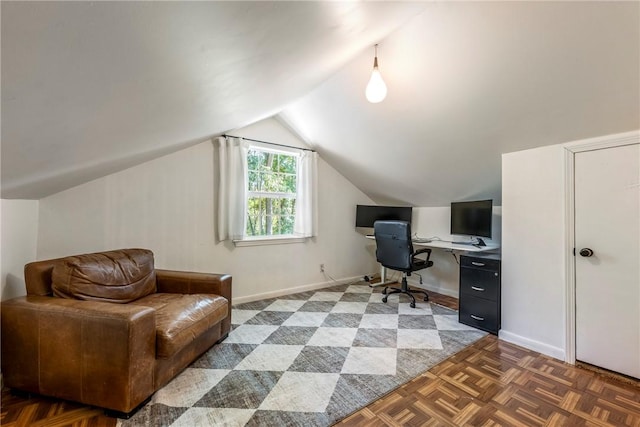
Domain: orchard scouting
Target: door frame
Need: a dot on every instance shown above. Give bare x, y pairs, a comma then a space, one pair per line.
570, 150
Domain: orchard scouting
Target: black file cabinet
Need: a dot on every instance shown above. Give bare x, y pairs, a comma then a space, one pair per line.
480, 291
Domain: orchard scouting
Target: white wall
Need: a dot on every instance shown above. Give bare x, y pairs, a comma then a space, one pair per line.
19, 230
443, 277
166, 205
533, 245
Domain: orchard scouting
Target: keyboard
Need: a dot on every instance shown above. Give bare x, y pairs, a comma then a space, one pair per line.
421, 240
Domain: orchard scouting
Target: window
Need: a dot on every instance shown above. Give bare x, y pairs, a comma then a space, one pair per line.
271, 193
265, 196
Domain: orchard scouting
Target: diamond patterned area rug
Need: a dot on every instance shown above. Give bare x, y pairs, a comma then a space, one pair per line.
308, 359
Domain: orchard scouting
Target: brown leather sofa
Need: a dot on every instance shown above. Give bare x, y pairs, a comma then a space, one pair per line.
108, 329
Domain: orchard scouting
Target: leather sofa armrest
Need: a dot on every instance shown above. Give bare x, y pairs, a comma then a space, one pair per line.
99, 353
186, 282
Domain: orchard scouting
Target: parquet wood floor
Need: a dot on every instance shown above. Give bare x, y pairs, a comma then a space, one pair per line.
490, 383
494, 383
46, 412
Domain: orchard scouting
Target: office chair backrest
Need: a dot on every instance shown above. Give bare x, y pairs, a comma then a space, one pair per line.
393, 244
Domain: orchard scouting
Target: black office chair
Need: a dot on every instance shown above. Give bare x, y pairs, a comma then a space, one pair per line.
394, 250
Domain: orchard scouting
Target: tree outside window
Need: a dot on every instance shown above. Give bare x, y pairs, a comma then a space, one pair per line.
271, 195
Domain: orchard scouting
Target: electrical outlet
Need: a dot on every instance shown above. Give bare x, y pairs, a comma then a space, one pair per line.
321, 268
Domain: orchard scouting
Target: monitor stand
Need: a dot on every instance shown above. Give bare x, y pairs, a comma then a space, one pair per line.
479, 242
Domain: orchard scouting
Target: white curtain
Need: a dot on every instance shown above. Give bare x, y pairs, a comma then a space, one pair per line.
232, 187
306, 221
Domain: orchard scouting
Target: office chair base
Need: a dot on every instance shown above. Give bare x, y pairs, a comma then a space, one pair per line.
405, 290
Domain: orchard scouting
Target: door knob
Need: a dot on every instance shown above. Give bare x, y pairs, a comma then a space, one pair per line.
586, 252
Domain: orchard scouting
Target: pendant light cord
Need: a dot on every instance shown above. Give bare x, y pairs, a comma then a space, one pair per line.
375, 57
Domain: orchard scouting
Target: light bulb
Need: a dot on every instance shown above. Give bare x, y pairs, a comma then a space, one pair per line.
376, 88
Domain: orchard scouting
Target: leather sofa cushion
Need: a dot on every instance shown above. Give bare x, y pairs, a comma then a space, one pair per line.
118, 276
181, 318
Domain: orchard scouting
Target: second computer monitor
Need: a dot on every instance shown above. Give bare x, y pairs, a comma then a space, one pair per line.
366, 215
472, 218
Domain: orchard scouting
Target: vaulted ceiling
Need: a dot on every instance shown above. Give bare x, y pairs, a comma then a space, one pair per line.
468, 82
92, 88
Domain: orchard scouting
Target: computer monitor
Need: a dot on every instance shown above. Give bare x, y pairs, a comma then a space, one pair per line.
366, 215
472, 218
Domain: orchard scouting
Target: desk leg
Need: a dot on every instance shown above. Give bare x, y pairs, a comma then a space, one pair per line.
383, 278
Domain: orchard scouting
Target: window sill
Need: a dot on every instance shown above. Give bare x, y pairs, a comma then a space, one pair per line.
271, 240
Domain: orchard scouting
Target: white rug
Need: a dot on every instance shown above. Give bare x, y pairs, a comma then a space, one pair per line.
308, 359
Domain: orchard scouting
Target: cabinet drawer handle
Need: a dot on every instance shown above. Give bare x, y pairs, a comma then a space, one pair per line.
477, 289
477, 317
477, 264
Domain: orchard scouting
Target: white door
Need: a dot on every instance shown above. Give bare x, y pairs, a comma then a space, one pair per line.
607, 221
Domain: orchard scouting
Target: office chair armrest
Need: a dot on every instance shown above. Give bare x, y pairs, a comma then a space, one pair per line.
423, 251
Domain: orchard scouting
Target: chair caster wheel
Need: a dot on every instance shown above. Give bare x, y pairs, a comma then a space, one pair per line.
384, 299
412, 305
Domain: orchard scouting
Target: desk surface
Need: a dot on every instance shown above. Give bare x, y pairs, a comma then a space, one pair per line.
439, 244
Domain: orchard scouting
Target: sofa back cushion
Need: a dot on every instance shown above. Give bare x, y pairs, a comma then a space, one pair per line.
117, 276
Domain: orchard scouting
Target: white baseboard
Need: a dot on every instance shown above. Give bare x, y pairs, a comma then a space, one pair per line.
540, 347
288, 291
433, 288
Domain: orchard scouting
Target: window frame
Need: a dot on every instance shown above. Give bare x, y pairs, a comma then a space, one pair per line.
272, 239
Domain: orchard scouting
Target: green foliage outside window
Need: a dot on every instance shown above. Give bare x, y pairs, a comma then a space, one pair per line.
272, 193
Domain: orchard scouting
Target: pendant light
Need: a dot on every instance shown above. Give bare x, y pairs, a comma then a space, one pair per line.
376, 89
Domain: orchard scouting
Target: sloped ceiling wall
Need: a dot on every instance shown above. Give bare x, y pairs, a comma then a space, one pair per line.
89, 88
468, 82
92, 88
